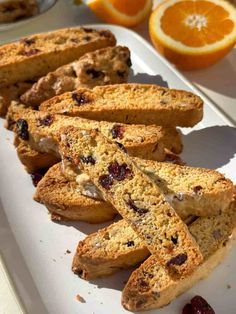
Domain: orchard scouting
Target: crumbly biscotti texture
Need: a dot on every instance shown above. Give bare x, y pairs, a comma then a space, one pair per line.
108, 250
150, 287
136, 197
12, 10
130, 103
100, 67
39, 54
118, 246
33, 160
139, 140
61, 197
12, 92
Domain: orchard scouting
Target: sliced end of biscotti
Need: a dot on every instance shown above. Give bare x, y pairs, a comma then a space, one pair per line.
62, 198
39, 54
136, 197
150, 287
108, 250
130, 103
100, 67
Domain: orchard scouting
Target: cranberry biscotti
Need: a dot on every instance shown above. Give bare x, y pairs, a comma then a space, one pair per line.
136, 197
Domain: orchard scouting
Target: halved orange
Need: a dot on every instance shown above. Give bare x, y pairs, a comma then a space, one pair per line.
193, 34
123, 12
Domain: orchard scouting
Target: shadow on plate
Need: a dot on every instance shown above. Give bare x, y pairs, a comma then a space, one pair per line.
212, 147
145, 78
218, 77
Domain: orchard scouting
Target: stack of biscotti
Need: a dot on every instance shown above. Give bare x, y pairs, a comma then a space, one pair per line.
150, 225
111, 147
28, 59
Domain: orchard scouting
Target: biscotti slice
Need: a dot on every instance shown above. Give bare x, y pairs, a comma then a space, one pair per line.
150, 287
130, 103
136, 197
108, 250
118, 246
139, 140
39, 54
101, 67
190, 190
65, 202
12, 10
33, 160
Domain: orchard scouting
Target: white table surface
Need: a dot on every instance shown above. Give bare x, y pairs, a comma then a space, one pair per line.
217, 82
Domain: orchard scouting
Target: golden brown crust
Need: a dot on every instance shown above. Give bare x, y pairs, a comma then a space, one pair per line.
130, 103
137, 198
39, 54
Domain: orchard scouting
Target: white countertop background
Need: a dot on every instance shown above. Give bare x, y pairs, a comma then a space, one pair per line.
217, 82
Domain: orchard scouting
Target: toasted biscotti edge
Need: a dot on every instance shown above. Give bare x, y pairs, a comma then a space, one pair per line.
31, 57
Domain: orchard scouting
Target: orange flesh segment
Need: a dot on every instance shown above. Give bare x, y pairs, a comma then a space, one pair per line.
173, 23
132, 9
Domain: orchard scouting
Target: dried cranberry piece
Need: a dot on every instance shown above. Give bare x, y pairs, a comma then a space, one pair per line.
197, 189
130, 243
46, 121
22, 129
121, 146
106, 181
87, 30
105, 34
88, 160
30, 52
37, 176
94, 73
81, 99
129, 62
27, 41
120, 73
119, 172
87, 38
200, 306
118, 131
178, 260
187, 309
137, 209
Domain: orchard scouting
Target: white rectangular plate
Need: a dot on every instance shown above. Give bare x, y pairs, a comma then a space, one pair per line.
34, 248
